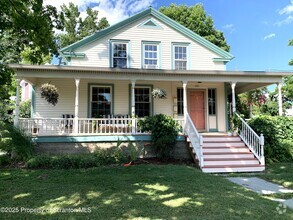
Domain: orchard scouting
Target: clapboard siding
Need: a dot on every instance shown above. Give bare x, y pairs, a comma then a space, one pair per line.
66, 101
97, 52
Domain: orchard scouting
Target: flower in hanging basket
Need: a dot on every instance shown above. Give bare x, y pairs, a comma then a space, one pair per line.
50, 93
159, 93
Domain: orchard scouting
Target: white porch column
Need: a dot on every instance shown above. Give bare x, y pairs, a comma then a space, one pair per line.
16, 116
133, 98
280, 99
233, 85
184, 83
76, 106
133, 121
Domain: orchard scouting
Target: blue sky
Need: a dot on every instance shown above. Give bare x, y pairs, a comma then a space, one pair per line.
258, 31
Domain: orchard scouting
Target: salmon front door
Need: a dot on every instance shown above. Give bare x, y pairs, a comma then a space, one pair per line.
196, 109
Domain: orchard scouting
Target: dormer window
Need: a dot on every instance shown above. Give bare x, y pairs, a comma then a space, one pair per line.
119, 54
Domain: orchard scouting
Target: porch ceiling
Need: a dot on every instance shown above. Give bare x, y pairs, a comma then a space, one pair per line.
245, 79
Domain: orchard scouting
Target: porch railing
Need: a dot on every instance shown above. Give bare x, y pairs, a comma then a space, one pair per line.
86, 126
196, 140
252, 140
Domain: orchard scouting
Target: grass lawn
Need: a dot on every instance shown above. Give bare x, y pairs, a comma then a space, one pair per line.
280, 173
143, 191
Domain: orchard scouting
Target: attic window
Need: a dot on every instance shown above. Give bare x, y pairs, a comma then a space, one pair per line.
150, 23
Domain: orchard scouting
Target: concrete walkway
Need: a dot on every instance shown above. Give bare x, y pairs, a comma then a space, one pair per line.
263, 187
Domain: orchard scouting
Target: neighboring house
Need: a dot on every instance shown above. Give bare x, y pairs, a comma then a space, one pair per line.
26, 91
112, 74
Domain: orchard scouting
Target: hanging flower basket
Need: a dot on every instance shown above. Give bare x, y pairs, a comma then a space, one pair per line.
50, 93
159, 93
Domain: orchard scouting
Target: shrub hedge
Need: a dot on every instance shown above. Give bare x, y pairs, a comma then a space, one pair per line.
278, 133
14, 143
100, 157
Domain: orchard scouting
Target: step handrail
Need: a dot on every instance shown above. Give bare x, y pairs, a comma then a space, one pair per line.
196, 140
254, 142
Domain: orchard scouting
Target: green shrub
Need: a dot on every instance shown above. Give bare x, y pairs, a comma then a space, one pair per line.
164, 131
76, 161
25, 109
4, 160
15, 143
278, 136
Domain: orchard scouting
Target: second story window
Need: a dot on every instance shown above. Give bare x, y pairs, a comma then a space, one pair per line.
119, 55
150, 55
180, 53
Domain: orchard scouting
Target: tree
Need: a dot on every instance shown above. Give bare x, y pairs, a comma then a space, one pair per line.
195, 19
75, 27
27, 23
24, 24
291, 44
254, 99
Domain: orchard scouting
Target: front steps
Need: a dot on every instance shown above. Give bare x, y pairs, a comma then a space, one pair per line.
224, 154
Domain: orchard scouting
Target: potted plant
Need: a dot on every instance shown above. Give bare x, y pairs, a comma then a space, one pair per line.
159, 93
50, 93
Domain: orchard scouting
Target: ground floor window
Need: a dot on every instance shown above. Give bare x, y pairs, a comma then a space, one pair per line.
212, 101
180, 101
142, 101
100, 101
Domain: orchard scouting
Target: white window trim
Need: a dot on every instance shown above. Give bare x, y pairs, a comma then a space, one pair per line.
158, 54
187, 46
126, 42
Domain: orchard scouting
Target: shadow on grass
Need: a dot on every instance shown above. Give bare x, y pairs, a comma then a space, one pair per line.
144, 191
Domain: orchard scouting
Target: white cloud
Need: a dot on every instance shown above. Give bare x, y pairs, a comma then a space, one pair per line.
269, 36
114, 11
229, 27
287, 10
287, 20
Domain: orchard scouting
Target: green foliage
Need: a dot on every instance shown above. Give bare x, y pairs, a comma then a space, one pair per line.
195, 19
26, 23
25, 109
291, 44
100, 157
255, 98
75, 27
50, 93
15, 143
288, 88
28, 54
278, 136
164, 131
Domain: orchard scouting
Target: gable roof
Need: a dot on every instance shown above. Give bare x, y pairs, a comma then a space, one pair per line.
158, 15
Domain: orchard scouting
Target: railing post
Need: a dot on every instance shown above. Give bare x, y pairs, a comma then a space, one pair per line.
262, 143
200, 150
133, 125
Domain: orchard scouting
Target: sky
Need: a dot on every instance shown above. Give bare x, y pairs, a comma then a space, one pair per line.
258, 31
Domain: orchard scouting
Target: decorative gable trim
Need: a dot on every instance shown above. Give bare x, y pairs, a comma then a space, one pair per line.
74, 54
150, 23
158, 15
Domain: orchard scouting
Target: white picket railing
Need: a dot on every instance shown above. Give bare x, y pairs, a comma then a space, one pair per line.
86, 126
252, 140
196, 140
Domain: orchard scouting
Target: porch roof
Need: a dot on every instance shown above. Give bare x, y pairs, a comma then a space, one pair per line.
245, 79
